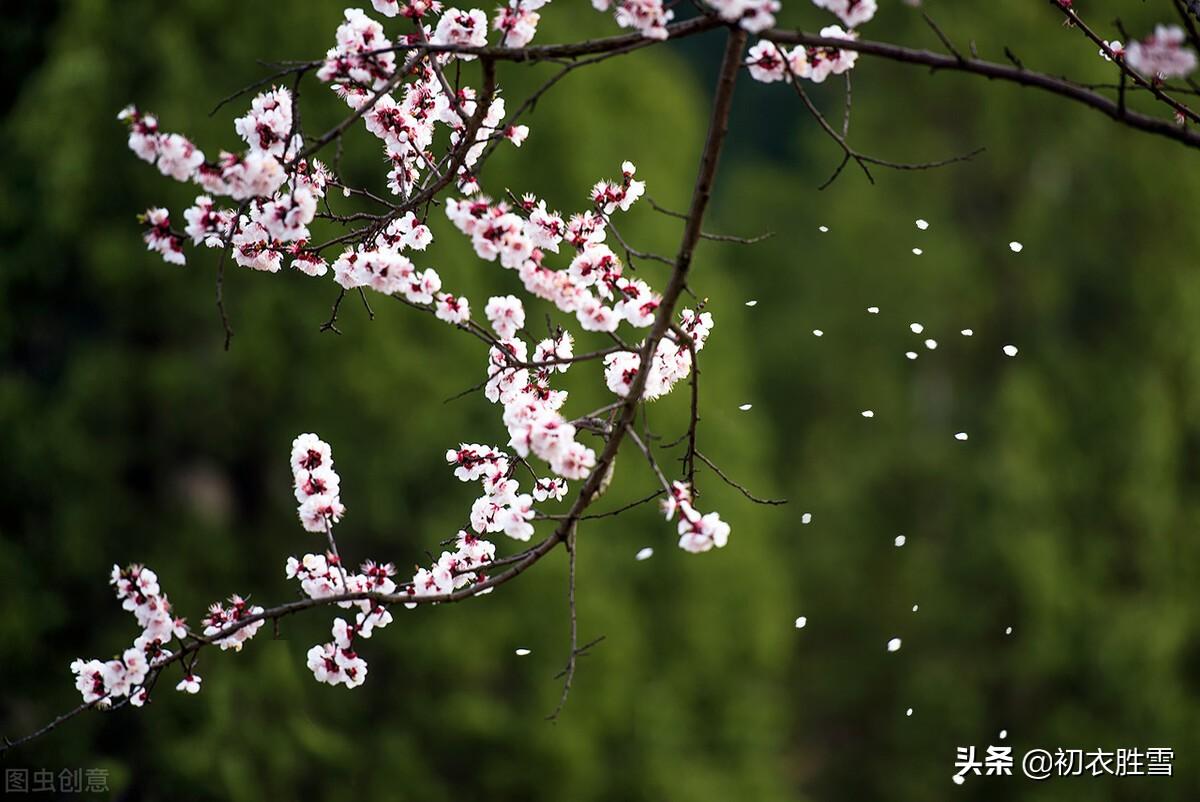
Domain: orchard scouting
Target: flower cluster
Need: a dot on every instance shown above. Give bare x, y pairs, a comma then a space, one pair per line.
502, 507
518, 21
768, 62
219, 617
1161, 55
173, 154
697, 532
105, 682
752, 15
321, 576
647, 17
454, 570
671, 363
609, 196
380, 264
361, 61
159, 236
593, 287
316, 483
852, 13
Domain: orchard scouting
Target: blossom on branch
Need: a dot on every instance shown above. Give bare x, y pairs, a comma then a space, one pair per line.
1161, 55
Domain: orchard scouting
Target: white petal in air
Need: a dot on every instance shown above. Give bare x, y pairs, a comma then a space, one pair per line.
921, 224
967, 332
894, 645
900, 540
874, 310
823, 229
806, 518
1008, 631
644, 554
818, 333
1016, 247
960, 436
958, 780
917, 251
801, 622
746, 407
522, 652
1003, 734
908, 712
751, 303
911, 354
868, 413
1010, 350
931, 344
916, 607
917, 328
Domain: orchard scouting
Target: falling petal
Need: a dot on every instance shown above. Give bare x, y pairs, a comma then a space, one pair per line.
751, 303
894, 645
921, 224
868, 413
522, 652
746, 407
818, 333
960, 436
1003, 734
874, 310
931, 344
900, 540
644, 554
916, 607
806, 518
911, 354
908, 712
967, 332
917, 251
1010, 350
958, 780
1016, 247
823, 229
1008, 631
917, 328
801, 622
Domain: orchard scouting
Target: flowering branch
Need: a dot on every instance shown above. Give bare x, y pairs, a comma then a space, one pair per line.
437, 138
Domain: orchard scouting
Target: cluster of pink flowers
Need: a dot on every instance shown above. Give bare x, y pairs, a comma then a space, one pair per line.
697, 532
159, 237
502, 507
1161, 55
593, 286
104, 682
461, 28
752, 15
671, 363
381, 265
219, 617
609, 196
281, 190
316, 483
454, 570
518, 21
173, 154
648, 17
852, 13
321, 576
362, 60
769, 62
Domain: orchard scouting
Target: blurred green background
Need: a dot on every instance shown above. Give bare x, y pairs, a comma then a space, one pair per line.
1069, 515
